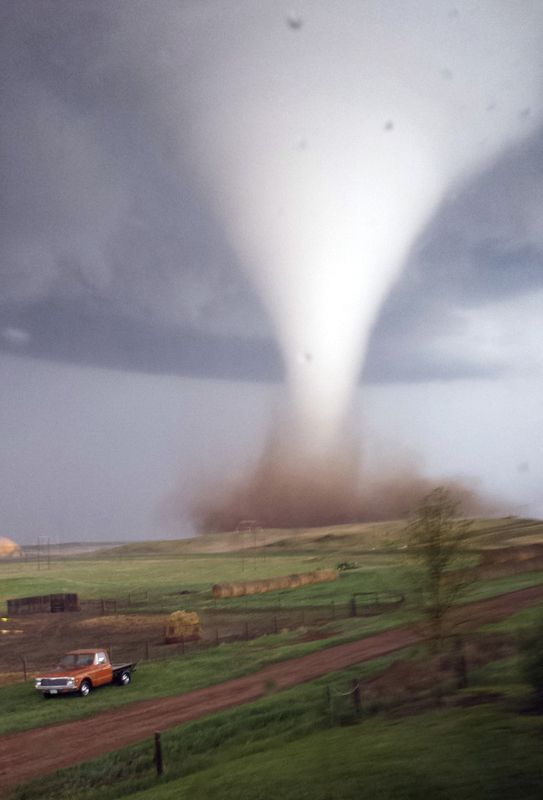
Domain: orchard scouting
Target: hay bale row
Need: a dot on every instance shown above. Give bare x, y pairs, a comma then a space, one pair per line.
222, 590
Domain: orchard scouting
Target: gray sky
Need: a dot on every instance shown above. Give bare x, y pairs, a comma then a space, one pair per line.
136, 351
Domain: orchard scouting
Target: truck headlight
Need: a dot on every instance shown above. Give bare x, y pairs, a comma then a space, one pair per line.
38, 683
71, 683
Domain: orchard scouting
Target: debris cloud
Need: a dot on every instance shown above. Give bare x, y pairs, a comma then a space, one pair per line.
284, 491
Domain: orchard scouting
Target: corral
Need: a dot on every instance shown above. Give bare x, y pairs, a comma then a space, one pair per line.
42, 603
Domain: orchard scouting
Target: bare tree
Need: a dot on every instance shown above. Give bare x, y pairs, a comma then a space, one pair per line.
436, 536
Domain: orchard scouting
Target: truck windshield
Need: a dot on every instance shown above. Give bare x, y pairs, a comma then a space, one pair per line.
77, 660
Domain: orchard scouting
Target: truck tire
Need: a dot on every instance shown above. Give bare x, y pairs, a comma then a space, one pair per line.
46, 695
124, 678
85, 688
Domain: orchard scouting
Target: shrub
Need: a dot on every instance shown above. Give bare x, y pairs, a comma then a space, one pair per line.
532, 666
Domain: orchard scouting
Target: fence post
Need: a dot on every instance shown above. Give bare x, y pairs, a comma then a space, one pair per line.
158, 754
183, 645
110, 651
329, 702
356, 696
303, 617
333, 610
275, 622
103, 606
247, 631
216, 637
24, 668
147, 649
461, 665
353, 606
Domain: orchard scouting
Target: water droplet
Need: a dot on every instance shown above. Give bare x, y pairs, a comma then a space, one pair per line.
446, 74
454, 13
491, 107
525, 113
389, 125
294, 21
302, 144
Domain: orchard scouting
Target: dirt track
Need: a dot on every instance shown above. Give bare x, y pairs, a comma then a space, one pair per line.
36, 752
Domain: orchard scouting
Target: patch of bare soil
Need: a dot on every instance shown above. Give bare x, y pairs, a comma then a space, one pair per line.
29, 754
403, 680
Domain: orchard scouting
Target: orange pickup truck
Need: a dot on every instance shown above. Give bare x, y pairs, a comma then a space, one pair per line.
82, 670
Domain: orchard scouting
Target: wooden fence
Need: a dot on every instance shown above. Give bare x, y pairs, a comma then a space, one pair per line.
40, 604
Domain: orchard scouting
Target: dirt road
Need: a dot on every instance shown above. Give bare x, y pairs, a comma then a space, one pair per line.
36, 752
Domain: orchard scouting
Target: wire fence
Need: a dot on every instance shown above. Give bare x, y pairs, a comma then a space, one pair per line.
221, 625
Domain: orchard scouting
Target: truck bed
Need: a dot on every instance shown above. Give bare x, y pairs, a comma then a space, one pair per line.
116, 668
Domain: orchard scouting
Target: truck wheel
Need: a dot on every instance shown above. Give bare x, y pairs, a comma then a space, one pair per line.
124, 678
85, 688
46, 695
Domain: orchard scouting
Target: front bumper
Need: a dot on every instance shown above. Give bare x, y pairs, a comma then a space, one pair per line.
56, 685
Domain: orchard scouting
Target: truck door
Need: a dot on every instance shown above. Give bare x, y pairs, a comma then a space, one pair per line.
104, 673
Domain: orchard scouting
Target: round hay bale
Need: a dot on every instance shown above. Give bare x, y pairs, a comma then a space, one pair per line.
238, 589
294, 581
251, 587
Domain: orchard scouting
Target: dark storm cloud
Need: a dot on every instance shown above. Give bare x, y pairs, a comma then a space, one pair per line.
484, 246
104, 259
88, 211
487, 241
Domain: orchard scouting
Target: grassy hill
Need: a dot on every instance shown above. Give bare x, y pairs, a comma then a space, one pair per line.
353, 538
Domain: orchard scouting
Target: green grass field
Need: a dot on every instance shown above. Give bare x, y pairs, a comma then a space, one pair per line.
288, 742
111, 577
